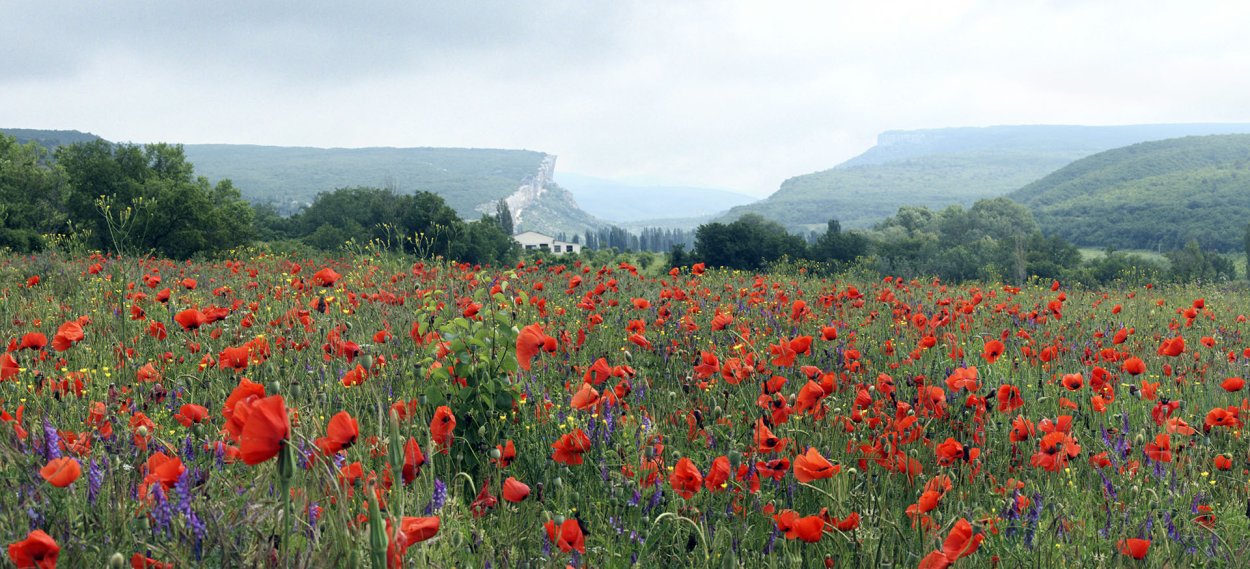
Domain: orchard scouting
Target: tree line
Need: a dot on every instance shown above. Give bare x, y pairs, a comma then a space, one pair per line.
146, 199
994, 240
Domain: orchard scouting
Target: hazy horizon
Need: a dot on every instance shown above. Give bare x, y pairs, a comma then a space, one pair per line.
736, 96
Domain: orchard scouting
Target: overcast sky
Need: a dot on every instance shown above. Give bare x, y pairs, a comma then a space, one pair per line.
737, 95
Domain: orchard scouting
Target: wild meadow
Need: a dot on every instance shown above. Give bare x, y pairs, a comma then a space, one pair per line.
378, 411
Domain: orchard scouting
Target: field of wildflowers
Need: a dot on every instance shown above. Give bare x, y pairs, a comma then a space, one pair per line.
373, 411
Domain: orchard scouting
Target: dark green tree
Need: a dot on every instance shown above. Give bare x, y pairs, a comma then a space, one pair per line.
838, 247
1246, 245
749, 243
31, 196
503, 217
147, 199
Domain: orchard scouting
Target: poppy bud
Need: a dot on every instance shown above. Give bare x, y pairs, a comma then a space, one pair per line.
495, 454
275, 387
628, 356
559, 519
117, 561
735, 460
142, 431
558, 483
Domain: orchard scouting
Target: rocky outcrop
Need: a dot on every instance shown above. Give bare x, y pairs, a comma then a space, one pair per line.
527, 195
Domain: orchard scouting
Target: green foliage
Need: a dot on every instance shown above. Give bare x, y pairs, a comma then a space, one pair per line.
31, 195
836, 246
991, 240
1154, 195
1192, 264
749, 243
139, 199
420, 224
503, 217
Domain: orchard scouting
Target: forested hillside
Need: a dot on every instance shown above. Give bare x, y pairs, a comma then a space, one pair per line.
1153, 195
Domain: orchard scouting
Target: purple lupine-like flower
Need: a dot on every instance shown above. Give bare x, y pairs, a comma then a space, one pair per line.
772, 539
183, 489
1173, 534
188, 449
438, 499
1107, 487
95, 478
51, 440
655, 499
36, 519
162, 514
198, 529
314, 514
635, 499
546, 545
1031, 520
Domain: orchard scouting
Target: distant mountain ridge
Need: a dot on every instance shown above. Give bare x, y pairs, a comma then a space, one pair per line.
1152, 195
941, 167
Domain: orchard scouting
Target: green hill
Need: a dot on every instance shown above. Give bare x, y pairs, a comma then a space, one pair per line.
49, 139
941, 167
1153, 195
471, 180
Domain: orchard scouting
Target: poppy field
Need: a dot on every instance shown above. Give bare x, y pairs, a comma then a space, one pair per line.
375, 411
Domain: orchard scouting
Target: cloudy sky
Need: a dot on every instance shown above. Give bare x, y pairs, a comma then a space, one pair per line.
737, 95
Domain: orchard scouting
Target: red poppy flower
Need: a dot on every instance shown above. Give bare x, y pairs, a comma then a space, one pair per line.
235, 358
569, 448
413, 460
341, 433
514, 490
569, 537
37, 550
686, 479
191, 319
1009, 398
326, 277
9, 367
412, 530
1134, 547
265, 430
138, 561
147, 374
1172, 347
67, 335
61, 472
1134, 366
529, 342
1161, 449
812, 466
1233, 384
442, 427
993, 349
190, 414
33, 341
717, 475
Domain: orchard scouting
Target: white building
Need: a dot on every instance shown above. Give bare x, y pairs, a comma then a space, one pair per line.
535, 241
